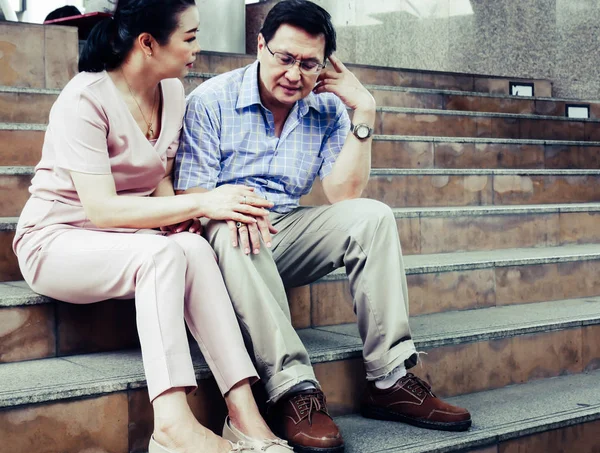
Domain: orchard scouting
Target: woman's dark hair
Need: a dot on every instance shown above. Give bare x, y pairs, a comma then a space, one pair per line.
112, 39
303, 14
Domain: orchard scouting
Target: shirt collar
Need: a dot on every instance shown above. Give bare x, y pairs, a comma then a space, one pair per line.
249, 94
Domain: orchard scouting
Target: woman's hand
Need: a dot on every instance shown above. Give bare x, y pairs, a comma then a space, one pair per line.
230, 202
191, 225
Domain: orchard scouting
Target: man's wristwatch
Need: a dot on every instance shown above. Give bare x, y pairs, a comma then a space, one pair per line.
361, 131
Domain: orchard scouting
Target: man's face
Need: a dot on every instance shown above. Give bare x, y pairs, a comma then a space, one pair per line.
282, 86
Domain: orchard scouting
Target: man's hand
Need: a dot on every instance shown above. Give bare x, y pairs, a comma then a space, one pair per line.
247, 236
191, 225
340, 81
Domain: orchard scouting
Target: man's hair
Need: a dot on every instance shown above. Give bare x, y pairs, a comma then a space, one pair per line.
303, 14
65, 11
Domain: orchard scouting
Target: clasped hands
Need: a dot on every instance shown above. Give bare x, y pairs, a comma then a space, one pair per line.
245, 212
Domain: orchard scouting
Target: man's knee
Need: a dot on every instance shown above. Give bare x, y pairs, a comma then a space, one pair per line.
371, 211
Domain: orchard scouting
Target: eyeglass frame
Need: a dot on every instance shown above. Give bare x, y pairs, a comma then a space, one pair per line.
320, 66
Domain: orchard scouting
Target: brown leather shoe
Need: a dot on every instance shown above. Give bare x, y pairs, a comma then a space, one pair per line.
302, 419
411, 401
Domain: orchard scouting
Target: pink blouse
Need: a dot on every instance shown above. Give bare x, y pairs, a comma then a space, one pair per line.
91, 130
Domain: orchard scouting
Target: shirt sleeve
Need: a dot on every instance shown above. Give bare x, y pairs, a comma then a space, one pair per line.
198, 159
79, 128
334, 142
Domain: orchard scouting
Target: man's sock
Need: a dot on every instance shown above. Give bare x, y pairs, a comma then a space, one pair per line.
301, 387
389, 380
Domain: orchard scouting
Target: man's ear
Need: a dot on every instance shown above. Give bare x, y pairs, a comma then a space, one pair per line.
260, 45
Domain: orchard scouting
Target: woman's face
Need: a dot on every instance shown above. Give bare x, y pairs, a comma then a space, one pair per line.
177, 56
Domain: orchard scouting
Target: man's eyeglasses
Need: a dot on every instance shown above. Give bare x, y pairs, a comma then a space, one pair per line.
308, 67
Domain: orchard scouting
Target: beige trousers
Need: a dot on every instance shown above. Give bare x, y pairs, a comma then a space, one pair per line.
172, 278
359, 234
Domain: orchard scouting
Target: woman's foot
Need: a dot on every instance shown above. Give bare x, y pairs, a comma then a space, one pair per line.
269, 443
189, 436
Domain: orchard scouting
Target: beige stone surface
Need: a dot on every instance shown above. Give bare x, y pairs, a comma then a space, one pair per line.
96, 425
27, 333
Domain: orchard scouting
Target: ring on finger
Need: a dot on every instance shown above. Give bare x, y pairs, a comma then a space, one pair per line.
239, 225
244, 201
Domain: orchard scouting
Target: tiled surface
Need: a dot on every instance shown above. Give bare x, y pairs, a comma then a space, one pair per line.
555, 281
533, 189
13, 194
61, 55
591, 348
397, 154
104, 326
299, 299
476, 155
25, 108
20, 147
434, 293
579, 228
439, 235
89, 425
9, 268
27, 333
331, 303
342, 384
579, 438
22, 56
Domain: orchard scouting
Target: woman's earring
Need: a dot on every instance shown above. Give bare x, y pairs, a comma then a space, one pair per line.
150, 54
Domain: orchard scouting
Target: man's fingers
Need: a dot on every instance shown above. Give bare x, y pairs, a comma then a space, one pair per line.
244, 238
263, 227
233, 232
254, 235
337, 63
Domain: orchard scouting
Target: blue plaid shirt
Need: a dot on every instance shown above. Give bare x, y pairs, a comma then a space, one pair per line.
228, 137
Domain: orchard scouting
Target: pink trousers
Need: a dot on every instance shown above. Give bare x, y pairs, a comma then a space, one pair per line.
173, 278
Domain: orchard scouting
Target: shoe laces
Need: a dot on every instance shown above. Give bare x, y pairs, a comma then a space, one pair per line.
274, 442
241, 446
309, 403
417, 385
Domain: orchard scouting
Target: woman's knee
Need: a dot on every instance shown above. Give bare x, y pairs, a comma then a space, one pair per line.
194, 246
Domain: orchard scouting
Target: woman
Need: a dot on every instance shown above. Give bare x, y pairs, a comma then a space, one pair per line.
101, 188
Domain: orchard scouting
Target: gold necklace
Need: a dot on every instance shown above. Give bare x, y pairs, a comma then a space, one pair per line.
150, 130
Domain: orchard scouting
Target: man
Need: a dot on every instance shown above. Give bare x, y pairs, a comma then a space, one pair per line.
274, 126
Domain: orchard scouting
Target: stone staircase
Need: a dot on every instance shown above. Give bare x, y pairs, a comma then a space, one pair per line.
496, 203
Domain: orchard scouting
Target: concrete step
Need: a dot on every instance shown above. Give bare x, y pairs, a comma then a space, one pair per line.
22, 145
431, 98
217, 62
409, 187
37, 327
553, 415
468, 187
451, 123
445, 229
26, 105
466, 352
405, 151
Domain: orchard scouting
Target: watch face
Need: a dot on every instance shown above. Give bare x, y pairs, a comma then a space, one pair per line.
362, 131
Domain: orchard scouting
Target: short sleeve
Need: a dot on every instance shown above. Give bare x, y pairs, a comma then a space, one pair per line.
334, 142
79, 128
198, 160
179, 102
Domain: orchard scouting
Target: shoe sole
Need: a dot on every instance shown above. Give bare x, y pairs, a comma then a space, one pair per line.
378, 413
301, 449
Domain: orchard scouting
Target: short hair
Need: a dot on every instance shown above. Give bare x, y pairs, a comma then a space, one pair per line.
64, 11
111, 39
303, 14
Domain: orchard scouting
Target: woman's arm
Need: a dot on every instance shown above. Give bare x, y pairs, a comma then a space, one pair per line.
106, 209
